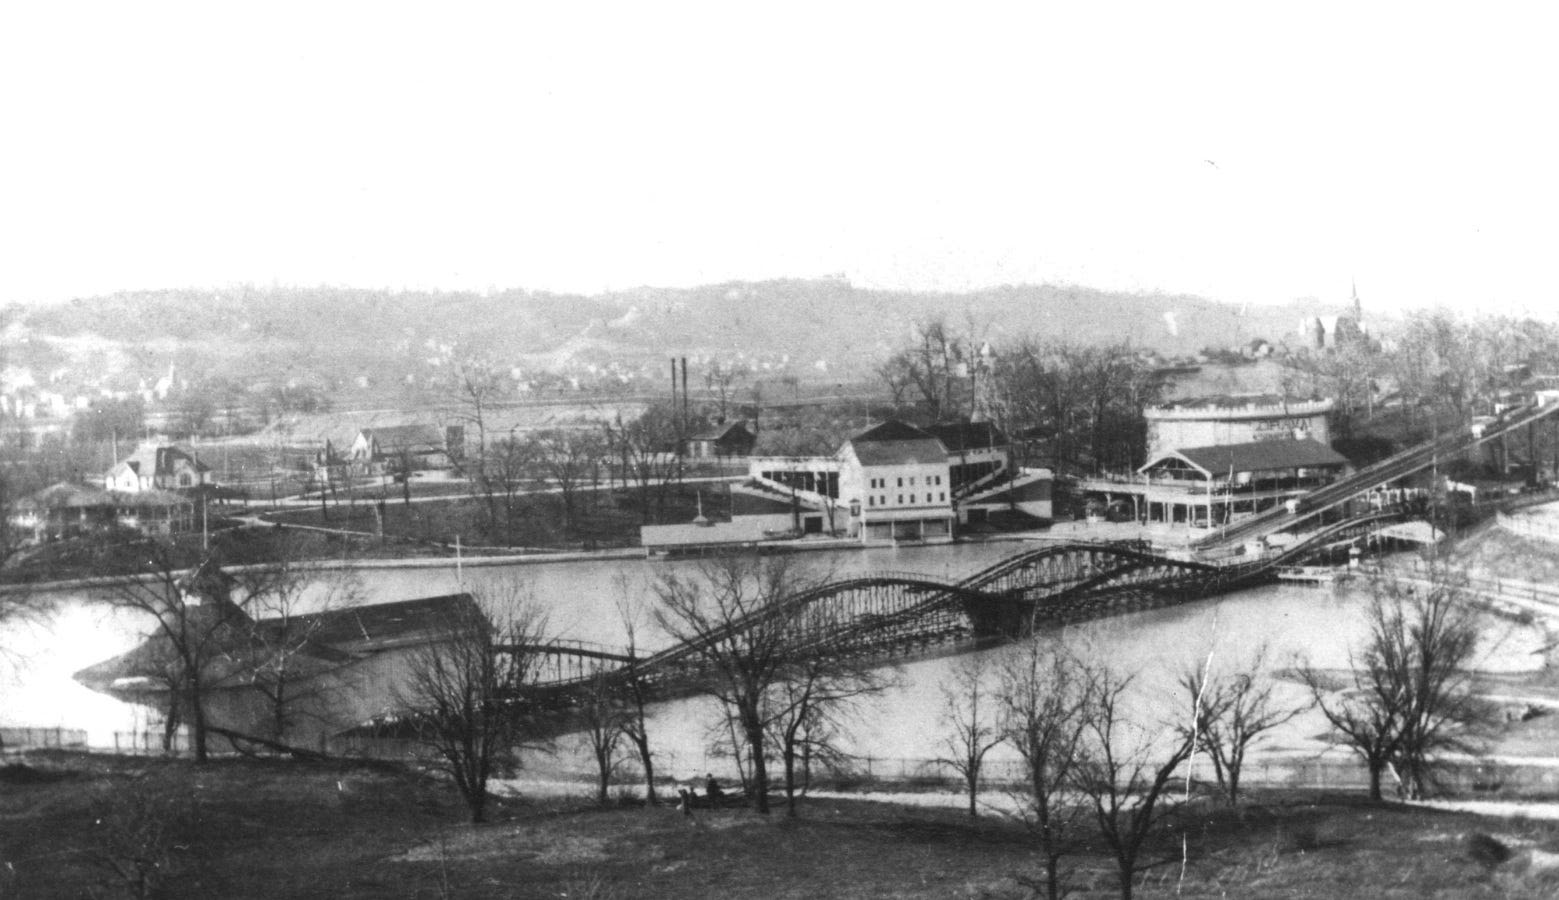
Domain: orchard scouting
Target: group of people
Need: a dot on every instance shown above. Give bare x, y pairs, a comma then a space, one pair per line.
711, 790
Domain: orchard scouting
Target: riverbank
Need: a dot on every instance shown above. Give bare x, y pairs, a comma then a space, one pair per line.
263, 829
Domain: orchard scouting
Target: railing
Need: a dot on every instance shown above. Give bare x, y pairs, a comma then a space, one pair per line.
1248, 410
29, 738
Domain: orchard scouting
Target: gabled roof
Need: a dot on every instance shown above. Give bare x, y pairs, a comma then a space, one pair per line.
405, 437
1257, 456
64, 494
156, 460
896, 443
956, 436
360, 626
721, 432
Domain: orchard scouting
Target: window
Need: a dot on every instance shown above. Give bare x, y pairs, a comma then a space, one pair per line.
901, 500
911, 481
870, 500
944, 496
184, 479
928, 496
901, 481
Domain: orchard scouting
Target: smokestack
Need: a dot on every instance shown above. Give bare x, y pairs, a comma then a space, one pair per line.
684, 393
673, 385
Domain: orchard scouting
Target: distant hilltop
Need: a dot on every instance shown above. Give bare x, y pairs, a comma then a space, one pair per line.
806, 329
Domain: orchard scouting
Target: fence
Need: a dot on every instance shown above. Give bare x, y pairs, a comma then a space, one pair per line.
32, 738
151, 742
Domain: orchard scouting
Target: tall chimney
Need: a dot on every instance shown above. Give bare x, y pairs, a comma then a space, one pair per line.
684, 393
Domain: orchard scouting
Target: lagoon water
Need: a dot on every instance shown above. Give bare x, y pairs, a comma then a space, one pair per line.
581, 599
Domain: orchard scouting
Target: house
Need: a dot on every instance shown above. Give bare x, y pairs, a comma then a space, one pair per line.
721, 442
345, 666
65, 510
421, 446
153, 467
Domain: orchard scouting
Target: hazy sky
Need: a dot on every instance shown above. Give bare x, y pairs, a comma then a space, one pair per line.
1238, 151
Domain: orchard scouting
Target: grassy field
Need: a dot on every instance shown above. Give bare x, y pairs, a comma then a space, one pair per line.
601, 518
247, 828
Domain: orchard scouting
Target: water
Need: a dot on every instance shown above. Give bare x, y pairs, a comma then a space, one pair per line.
580, 599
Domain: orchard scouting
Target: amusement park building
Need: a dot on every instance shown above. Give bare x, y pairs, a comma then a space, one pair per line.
1215, 459
891, 482
1215, 421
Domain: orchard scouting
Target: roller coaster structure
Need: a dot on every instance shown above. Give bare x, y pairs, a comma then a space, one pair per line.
898, 615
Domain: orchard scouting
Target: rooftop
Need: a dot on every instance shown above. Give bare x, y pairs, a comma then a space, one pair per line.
896, 443
956, 436
1257, 456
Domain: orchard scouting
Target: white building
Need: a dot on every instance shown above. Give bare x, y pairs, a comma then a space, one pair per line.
896, 482
1217, 421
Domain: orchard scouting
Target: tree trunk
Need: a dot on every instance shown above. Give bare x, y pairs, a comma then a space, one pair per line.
1375, 773
760, 769
198, 727
790, 782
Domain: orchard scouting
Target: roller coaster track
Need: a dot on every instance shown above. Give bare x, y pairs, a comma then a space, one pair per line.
1414, 459
899, 614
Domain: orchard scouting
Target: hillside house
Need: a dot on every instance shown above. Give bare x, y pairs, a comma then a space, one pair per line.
153, 467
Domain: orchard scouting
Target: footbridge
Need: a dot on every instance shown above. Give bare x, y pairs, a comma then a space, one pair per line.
1414, 459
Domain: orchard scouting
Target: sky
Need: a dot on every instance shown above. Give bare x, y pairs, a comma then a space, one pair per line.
1251, 153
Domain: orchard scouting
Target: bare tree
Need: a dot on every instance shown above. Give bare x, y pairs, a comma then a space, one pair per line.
806, 711
720, 378
195, 623
17, 603
1123, 772
636, 693
1230, 712
1407, 696
1044, 698
467, 697
567, 457
510, 465
600, 709
645, 449
970, 713
932, 364
296, 676
733, 613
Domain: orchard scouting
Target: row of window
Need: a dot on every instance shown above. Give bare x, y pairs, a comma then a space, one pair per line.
882, 499
931, 480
